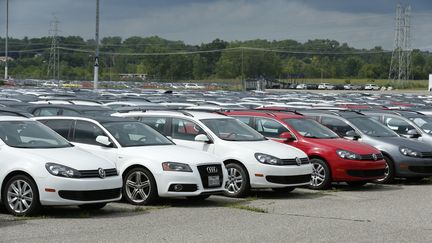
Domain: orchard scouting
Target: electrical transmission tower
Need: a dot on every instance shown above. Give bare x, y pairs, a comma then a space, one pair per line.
54, 59
400, 65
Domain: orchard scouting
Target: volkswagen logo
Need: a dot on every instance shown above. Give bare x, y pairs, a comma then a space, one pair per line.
101, 173
374, 157
298, 160
212, 169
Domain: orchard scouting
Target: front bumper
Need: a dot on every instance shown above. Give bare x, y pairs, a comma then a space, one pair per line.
357, 170
273, 176
413, 167
187, 184
70, 191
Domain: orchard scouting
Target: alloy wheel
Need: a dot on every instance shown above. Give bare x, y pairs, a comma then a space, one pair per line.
20, 196
138, 187
235, 180
318, 175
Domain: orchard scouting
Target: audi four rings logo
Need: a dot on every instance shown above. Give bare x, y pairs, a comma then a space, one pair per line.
101, 173
212, 169
298, 160
374, 156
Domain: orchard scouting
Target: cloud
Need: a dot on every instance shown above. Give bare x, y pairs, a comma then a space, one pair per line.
359, 23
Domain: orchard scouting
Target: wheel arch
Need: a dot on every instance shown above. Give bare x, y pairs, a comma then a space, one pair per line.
12, 174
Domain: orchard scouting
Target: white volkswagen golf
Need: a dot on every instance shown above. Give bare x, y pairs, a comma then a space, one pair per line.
39, 167
252, 160
151, 165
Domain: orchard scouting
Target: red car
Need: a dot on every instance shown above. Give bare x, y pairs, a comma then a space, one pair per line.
333, 158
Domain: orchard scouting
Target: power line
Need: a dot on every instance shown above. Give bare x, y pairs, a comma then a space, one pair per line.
54, 59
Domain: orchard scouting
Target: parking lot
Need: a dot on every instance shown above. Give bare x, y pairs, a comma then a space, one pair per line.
374, 213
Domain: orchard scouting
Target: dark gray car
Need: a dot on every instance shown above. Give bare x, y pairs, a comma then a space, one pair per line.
405, 158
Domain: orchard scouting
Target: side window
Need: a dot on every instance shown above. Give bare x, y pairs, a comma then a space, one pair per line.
336, 125
375, 117
86, 132
398, 125
269, 127
67, 112
51, 111
157, 123
245, 119
185, 130
61, 127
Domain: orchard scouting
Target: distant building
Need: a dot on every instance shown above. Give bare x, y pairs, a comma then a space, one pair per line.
3, 59
135, 76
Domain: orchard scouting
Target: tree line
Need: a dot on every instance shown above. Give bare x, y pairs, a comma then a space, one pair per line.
168, 60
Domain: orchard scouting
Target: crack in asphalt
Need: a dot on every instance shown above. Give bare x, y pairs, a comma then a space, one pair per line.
323, 217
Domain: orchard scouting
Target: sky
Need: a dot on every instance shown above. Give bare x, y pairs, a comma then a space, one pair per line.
360, 23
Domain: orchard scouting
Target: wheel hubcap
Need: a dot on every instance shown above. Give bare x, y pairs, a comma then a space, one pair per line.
318, 175
138, 187
386, 172
235, 181
19, 196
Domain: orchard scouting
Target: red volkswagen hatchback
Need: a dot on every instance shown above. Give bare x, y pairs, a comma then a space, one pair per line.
333, 158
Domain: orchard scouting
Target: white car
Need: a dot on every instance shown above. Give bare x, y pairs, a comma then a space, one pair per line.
40, 168
151, 165
252, 161
325, 86
194, 86
371, 87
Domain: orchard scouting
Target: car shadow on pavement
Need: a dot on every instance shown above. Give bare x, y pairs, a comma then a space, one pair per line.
368, 187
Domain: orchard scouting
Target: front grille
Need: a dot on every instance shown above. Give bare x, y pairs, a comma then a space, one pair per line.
426, 154
289, 179
366, 173
91, 195
370, 156
183, 188
421, 169
205, 173
95, 173
294, 161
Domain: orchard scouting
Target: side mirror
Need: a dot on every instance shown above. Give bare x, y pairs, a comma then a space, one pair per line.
413, 133
351, 134
103, 140
202, 138
287, 136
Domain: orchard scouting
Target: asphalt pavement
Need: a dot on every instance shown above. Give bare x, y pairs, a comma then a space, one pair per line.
400, 212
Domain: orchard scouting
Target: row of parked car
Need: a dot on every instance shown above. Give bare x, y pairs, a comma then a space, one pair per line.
328, 86
91, 148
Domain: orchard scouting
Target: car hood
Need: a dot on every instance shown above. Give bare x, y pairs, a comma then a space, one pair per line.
405, 142
282, 151
345, 144
172, 153
73, 157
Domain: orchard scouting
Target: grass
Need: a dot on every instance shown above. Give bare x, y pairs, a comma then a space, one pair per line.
247, 208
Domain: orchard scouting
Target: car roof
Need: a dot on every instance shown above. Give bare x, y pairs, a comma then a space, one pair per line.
265, 113
13, 118
176, 113
74, 107
100, 119
404, 113
340, 113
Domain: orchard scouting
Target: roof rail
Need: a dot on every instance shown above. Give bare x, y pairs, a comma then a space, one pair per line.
278, 110
150, 109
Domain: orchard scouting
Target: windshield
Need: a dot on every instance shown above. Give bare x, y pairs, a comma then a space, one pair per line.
130, 134
371, 127
30, 134
232, 130
425, 123
310, 129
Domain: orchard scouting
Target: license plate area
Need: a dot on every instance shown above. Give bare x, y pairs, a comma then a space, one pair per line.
213, 181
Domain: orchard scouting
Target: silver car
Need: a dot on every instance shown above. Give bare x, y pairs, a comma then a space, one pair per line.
406, 158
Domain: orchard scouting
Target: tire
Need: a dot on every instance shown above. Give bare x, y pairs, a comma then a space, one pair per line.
283, 189
21, 196
93, 206
389, 172
321, 175
198, 198
238, 184
356, 183
139, 187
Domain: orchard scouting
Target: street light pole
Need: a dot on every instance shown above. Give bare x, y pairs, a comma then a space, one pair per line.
96, 64
6, 41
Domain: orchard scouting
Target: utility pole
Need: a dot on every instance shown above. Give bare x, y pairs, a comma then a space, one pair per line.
400, 65
54, 59
96, 64
6, 41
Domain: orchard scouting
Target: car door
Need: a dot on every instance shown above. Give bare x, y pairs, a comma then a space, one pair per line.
84, 136
184, 131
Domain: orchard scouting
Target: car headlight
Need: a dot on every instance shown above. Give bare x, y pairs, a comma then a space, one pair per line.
409, 152
344, 154
61, 170
174, 166
267, 159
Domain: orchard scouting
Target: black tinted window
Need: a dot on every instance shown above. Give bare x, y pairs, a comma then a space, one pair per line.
337, 126
157, 123
62, 127
86, 132
46, 111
